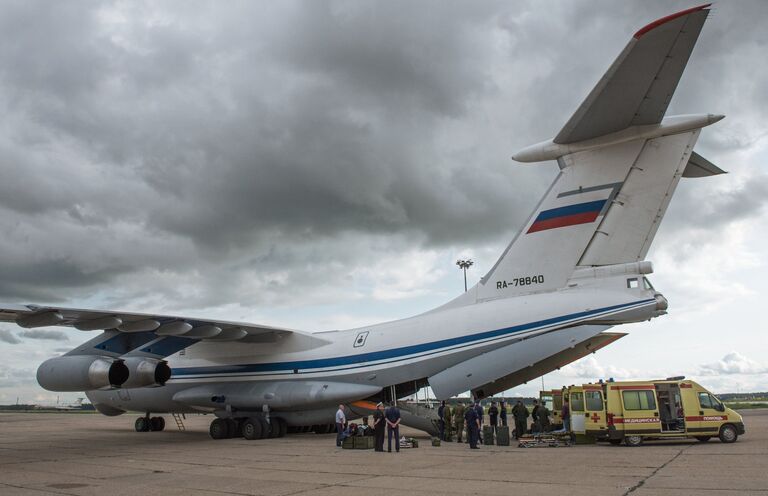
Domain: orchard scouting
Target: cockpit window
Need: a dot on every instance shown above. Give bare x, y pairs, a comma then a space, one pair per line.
633, 283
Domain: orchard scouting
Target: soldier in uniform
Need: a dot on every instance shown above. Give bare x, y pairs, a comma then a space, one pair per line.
479, 411
378, 427
448, 416
473, 426
458, 420
503, 413
544, 418
493, 417
441, 420
520, 412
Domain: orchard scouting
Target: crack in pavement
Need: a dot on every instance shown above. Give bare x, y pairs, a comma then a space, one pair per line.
644, 479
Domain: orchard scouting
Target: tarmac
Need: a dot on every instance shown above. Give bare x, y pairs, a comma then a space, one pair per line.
88, 454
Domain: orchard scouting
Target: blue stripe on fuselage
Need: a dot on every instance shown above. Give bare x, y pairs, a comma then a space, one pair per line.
375, 356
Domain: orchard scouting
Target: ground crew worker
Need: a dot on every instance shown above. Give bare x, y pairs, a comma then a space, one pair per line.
392, 416
544, 418
493, 417
458, 421
503, 413
473, 426
480, 414
520, 412
378, 427
448, 421
566, 416
536, 426
441, 420
341, 420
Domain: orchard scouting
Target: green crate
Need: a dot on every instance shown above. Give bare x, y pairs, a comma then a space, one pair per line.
348, 443
435, 441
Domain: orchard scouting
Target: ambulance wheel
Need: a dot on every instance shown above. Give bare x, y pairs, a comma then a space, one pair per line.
703, 439
156, 424
141, 425
219, 429
633, 440
252, 429
728, 434
615, 442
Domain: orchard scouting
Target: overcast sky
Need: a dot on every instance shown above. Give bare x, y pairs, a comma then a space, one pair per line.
322, 165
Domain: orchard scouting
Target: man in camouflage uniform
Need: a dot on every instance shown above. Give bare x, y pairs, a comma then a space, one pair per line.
458, 420
447, 414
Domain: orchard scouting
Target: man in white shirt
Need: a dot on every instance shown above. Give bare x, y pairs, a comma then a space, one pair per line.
341, 421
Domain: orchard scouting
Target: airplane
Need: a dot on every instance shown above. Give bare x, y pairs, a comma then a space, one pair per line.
575, 269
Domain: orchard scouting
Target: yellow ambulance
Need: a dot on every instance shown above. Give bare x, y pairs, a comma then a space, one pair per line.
630, 412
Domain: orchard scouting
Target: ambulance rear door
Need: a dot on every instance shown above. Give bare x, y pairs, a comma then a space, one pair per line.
640, 410
578, 412
594, 411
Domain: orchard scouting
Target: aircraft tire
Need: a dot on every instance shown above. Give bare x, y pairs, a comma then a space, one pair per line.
156, 424
233, 428
252, 429
141, 425
282, 426
728, 434
265, 428
219, 428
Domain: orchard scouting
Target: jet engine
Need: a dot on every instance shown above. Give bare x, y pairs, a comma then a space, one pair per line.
146, 372
81, 373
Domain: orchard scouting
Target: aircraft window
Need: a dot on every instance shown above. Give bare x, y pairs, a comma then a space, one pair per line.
594, 400
647, 283
639, 400
577, 402
633, 283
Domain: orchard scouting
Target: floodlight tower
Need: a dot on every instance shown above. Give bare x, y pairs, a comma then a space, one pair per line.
464, 265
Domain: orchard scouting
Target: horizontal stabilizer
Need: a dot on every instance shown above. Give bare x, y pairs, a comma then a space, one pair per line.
698, 166
638, 86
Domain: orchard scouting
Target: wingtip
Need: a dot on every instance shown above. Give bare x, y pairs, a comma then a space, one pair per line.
668, 18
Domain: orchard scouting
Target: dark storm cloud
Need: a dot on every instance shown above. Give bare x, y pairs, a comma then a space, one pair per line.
214, 153
45, 334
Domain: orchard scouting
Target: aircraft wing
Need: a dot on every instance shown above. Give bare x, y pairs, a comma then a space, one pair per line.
140, 333
638, 86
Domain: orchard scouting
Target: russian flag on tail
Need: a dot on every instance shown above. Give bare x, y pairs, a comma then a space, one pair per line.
571, 215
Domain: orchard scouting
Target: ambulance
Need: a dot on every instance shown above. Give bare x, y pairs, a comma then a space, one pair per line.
631, 412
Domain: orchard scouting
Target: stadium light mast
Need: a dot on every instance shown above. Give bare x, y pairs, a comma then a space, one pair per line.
464, 265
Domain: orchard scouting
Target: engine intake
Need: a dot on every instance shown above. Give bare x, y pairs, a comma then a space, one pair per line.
144, 372
81, 373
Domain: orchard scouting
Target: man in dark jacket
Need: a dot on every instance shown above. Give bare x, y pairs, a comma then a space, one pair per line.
503, 413
473, 426
392, 416
536, 427
378, 427
520, 412
479, 412
493, 417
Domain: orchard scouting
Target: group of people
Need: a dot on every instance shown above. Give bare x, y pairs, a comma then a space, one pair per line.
388, 418
457, 419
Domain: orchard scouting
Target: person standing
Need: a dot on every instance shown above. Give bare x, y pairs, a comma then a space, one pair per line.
520, 412
479, 412
392, 416
544, 418
473, 426
503, 413
536, 427
441, 420
493, 417
341, 421
378, 427
458, 420
448, 421
566, 416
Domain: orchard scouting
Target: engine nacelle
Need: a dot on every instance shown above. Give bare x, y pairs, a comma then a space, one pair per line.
144, 372
81, 373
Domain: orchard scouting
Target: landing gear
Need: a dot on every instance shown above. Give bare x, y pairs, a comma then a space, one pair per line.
147, 423
250, 428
